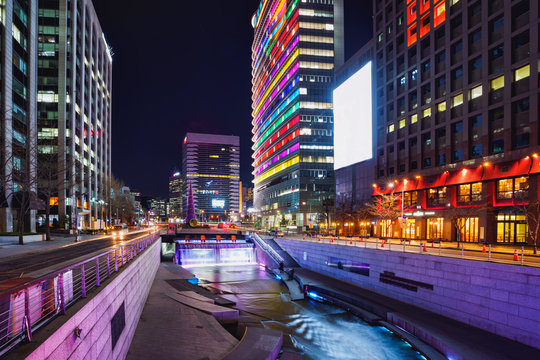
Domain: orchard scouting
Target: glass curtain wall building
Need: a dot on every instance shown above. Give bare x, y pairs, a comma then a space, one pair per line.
293, 56
18, 63
211, 164
74, 111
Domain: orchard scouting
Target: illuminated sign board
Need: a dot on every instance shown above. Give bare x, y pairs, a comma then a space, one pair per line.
353, 119
218, 203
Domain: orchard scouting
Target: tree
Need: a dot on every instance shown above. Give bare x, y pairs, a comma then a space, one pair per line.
385, 207
123, 203
531, 209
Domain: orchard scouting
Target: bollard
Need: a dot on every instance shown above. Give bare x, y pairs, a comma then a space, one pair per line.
376, 243
122, 257
489, 252
420, 248
522, 255
462, 250
115, 261
61, 288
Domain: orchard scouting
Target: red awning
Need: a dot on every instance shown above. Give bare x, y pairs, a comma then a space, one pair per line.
432, 181
507, 170
465, 176
535, 165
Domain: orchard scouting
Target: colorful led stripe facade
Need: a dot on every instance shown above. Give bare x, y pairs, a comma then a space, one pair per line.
292, 73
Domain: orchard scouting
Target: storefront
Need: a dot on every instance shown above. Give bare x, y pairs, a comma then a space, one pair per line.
467, 229
511, 228
435, 227
409, 229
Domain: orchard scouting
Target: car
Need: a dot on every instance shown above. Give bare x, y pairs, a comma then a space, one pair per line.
119, 231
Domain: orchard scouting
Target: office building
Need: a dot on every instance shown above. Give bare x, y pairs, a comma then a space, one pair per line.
293, 58
175, 196
211, 164
74, 110
18, 61
457, 116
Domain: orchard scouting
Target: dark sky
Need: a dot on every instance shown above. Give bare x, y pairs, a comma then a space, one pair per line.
185, 66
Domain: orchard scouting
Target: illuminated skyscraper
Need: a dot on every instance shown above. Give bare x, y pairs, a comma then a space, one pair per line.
211, 165
74, 110
293, 56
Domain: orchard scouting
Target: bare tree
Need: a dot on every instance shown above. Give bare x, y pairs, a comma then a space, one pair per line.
531, 209
123, 203
385, 207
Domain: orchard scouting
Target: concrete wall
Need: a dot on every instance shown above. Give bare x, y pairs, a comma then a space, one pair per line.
131, 286
503, 299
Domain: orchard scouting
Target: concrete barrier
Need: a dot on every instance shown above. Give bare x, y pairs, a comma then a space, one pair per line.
107, 319
502, 299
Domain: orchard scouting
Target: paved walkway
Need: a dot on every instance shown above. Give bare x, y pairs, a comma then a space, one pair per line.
168, 329
465, 342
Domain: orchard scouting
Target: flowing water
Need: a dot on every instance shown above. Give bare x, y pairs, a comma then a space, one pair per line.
317, 330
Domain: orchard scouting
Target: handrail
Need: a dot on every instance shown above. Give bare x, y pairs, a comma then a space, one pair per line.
35, 303
268, 248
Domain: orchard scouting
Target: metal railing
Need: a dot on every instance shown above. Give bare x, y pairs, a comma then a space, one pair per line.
470, 251
29, 306
267, 248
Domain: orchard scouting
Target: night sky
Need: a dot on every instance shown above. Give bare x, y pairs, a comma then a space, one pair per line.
185, 66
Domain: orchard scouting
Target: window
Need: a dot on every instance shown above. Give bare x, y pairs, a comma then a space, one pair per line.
437, 196
441, 106
401, 123
457, 100
497, 146
468, 229
458, 73
470, 192
441, 159
458, 155
439, 14
497, 83
476, 63
476, 121
475, 92
476, 150
410, 199
427, 162
390, 128
414, 118
522, 72
426, 113
515, 188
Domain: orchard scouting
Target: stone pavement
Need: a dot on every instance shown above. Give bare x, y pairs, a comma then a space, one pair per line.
168, 329
454, 339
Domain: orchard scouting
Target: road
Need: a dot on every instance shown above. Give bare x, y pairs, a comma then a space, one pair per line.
25, 264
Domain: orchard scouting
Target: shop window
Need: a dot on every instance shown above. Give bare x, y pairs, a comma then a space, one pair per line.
409, 230
467, 229
410, 199
435, 228
511, 228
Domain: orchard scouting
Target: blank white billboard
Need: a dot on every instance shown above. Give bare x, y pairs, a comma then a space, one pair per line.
353, 119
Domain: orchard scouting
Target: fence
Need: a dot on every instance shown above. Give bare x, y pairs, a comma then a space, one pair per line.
27, 307
478, 252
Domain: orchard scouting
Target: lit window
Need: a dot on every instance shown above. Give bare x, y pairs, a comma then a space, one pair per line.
411, 35
457, 100
391, 128
380, 37
522, 73
402, 80
454, 2
303, 91
497, 83
440, 14
427, 112
401, 123
414, 118
476, 92
441, 106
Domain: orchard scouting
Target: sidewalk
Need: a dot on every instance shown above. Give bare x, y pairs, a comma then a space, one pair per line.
9, 250
454, 339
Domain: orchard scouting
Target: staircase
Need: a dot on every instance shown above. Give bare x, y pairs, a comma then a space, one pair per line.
288, 260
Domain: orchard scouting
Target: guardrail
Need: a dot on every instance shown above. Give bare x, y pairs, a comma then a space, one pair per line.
478, 252
29, 306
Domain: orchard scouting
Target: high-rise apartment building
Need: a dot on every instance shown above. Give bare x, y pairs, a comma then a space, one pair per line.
18, 62
211, 165
175, 195
457, 115
74, 110
293, 57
